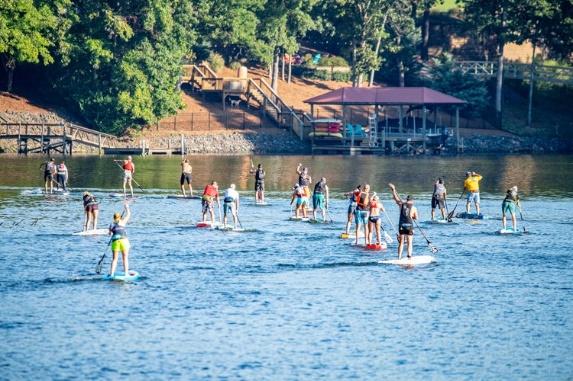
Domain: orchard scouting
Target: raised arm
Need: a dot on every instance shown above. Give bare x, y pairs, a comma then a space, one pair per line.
298, 168
127, 215
395, 196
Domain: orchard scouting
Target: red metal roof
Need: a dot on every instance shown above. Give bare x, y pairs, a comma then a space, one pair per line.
384, 96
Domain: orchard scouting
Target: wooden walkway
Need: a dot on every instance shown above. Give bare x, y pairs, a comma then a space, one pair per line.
47, 138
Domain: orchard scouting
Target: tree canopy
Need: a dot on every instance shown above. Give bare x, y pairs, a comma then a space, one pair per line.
118, 63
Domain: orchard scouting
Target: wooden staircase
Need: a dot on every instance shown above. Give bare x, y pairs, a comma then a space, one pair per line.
256, 92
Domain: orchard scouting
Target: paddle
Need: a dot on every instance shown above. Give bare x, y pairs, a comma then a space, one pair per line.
433, 248
451, 214
220, 218
238, 220
522, 219
100, 262
132, 179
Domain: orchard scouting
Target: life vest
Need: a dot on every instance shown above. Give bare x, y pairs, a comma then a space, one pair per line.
118, 232
128, 166
362, 200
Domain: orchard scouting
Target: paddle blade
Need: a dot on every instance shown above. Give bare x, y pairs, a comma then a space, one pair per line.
387, 238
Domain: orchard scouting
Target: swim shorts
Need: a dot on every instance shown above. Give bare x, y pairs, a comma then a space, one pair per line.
473, 197
48, 176
438, 202
185, 177
374, 219
361, 217
318, 201
120, 245
228, 208
127, 175
206, 205
259, 186
406, 229
508, 207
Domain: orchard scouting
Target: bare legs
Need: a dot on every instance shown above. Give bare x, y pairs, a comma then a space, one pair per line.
410, 241
127, 181
124, 257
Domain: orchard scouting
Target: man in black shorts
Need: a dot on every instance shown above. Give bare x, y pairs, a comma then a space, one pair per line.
408, 213
260, 185
186, 176
49, 172
439, 199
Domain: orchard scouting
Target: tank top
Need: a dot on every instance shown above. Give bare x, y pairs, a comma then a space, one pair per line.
118, 232
511, 197
405, 218
303, 180
89, 200
50, 166
439, 191
320, 187
128, 166
62, 169
362, 201
260, 176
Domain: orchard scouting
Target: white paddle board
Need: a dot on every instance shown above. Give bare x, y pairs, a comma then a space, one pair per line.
92, 232
509, 231
405, 261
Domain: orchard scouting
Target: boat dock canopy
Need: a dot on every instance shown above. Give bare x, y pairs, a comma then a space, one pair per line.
384, 96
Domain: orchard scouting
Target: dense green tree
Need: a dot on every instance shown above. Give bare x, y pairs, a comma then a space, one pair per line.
125, 60
27, 30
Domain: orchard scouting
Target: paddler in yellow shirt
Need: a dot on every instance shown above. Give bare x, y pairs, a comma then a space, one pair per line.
471, 185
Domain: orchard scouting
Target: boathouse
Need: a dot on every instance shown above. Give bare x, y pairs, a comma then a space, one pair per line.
383, 120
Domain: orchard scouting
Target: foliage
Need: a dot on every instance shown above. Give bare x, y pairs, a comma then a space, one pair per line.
216, 61
442, 74
27, 30
235, 65
334, 61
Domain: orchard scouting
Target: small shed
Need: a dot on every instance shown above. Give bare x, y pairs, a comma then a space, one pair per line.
383, 98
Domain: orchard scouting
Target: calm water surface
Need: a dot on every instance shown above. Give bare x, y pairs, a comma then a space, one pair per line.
286, 300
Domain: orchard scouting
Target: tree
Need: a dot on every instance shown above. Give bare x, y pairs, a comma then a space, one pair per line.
283, 23
125, 61
444, 75
403, 39
26, 28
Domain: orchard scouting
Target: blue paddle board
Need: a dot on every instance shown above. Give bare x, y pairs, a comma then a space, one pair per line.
120, 276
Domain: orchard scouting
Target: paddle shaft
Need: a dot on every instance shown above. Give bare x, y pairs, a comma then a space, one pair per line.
433, 248
100, 262
451, 214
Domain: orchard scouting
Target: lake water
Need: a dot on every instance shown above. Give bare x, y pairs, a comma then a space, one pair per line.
286, 300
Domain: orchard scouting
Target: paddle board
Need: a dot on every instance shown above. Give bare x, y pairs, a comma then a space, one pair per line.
121, 195
405, 261
470, 216
206, 224
262, 204
181, 197
292, 218
376, 247
509, 231
120, 276
93, 232
229, 229
352, 235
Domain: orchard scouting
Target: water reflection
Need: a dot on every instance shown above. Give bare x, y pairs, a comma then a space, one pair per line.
534, 175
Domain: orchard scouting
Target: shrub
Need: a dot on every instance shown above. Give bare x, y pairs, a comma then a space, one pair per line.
216, 61
235, 65
334, 61
341, 77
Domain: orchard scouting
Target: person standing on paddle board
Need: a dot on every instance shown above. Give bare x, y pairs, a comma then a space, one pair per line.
62, 175
439, 198
304, 179
351, 207
361, 213
374, 221
408, 213
299, 193
320, 198
231, 205
49, 173
186, 176
91, 210
210, 195
471, 185
510, 203
128, 171
259, 183
119, 241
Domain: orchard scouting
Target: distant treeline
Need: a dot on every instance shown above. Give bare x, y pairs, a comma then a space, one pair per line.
117, 63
